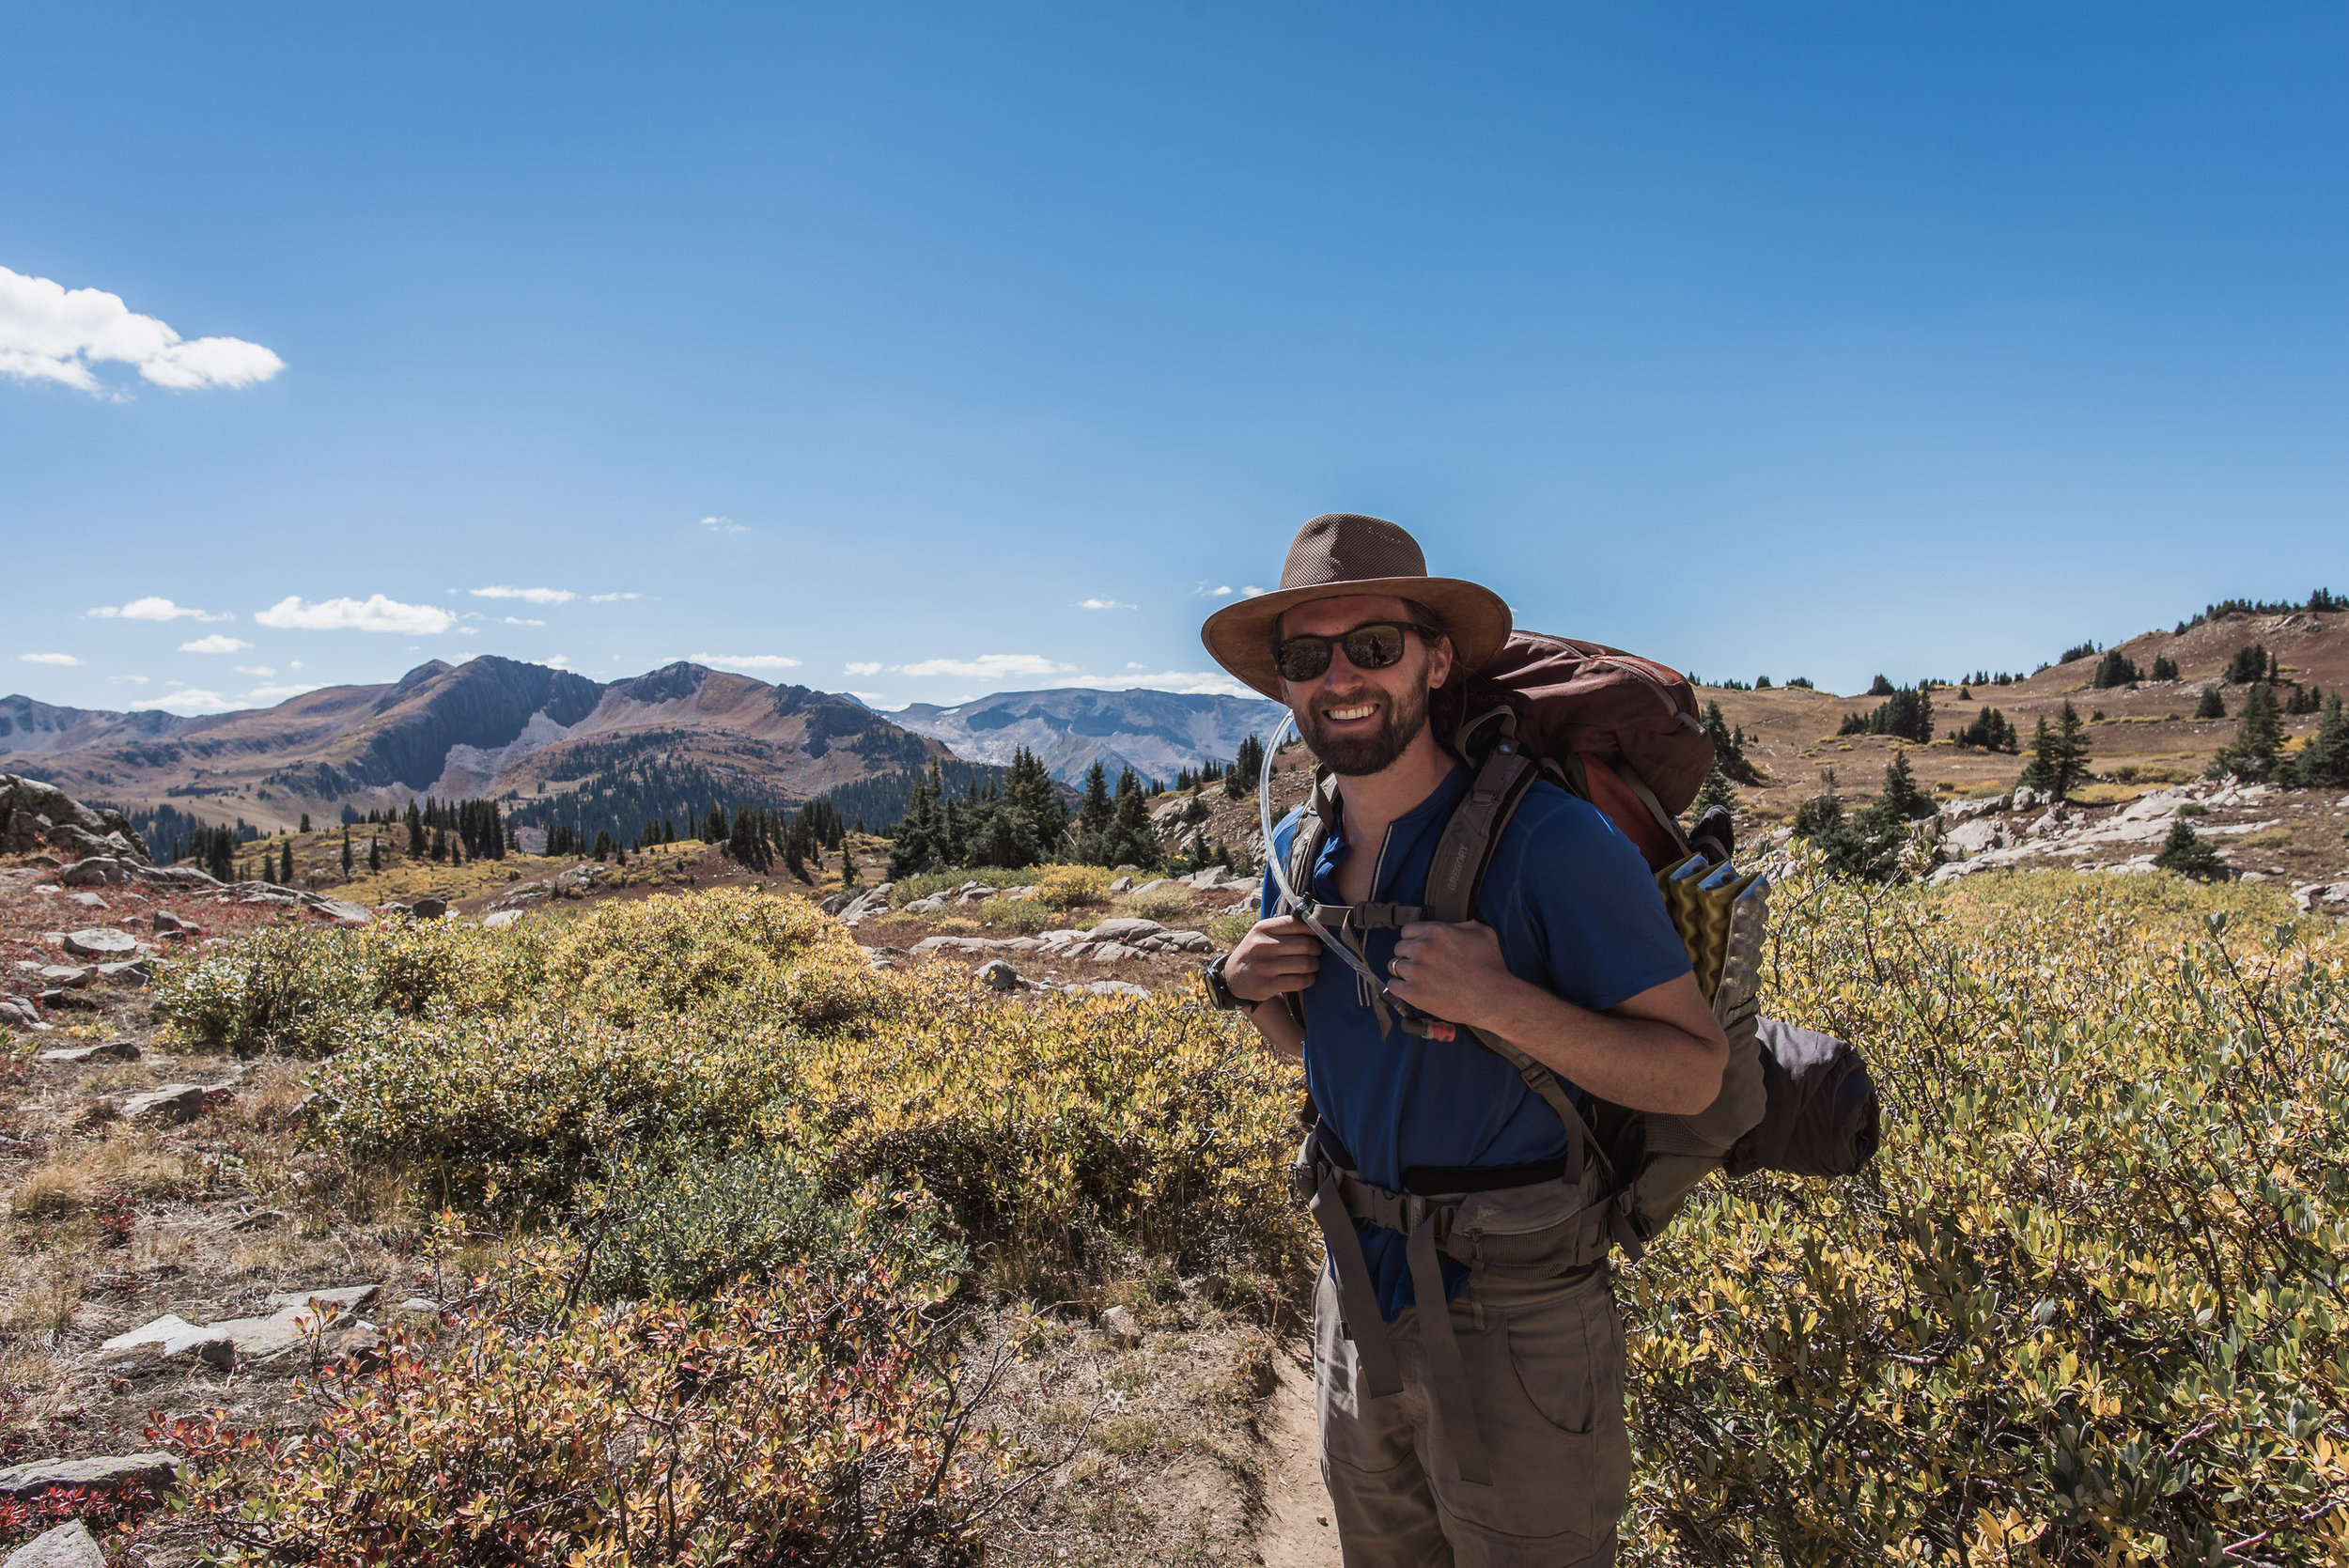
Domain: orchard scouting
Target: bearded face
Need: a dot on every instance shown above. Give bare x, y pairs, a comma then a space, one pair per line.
1362, 730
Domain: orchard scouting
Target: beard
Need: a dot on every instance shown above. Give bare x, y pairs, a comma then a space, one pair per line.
1356, 755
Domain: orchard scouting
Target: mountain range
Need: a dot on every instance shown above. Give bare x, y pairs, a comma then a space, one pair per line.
1157, 734
499, 727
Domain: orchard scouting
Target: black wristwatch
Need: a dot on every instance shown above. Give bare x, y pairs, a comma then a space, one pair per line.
1220, 990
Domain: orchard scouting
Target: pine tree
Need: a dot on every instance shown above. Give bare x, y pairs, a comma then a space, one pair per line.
346, 855
1714, 791
2184, 853
2258, 737
2059, 755
306, 822
375, 853
2324, 762
284, 862
2249, 663
416, 827
848, 865
1901, 797
2213, 705
1093, 812
1246, 771
2164, 667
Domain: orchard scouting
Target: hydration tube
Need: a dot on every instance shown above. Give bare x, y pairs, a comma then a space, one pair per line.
1413, 1020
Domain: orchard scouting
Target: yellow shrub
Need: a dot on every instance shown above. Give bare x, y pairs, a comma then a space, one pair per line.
1062, 887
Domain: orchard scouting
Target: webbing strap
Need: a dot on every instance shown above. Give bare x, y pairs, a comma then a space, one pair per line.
1447, 1375
1358, 1300
1638, 785
1552, 1094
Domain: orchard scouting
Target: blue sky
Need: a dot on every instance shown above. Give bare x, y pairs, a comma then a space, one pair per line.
1788, 339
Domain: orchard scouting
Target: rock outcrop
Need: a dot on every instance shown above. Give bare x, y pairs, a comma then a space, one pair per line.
34, 816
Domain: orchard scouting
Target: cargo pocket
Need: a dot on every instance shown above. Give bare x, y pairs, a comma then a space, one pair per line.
1538, 1404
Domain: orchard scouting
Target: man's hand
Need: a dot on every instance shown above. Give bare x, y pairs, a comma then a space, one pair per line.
1279, 955
1452, 972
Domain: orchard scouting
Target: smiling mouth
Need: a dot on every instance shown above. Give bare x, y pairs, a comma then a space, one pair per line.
1350, 712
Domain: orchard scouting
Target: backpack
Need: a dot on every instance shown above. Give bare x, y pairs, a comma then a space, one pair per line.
1623, 733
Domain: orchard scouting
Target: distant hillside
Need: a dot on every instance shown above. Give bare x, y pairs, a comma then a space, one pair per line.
490, 727
1157, 734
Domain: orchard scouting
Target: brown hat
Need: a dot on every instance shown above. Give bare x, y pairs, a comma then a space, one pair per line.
1342, 553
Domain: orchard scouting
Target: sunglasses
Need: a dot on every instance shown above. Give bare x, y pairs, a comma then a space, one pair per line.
1373, 645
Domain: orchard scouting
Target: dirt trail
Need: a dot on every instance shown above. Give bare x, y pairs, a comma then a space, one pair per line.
1297, 1528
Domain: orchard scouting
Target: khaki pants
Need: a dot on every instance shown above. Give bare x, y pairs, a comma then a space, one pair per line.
1545, 1374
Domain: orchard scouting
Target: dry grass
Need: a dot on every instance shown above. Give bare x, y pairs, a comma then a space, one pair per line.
80, 1175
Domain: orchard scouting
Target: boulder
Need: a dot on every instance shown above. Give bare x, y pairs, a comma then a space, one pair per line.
130, 972
501, 920
855, 909
86, 900
2323, 898
1108, 953
172, 1102
187, 878
19, 1012
69, 1545
164, 921
170, 1339
99, 871
2025, 798
113, 1050
1187, 942
1121, 1327
928, 945
62, 974
341, 909
100, 941
1124, 929
1123, 884
997, 976
929, 906
1164, 883
432, 908
47, 1475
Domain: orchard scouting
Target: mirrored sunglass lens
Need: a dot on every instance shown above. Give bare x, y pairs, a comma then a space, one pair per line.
1303, 657
1374, 647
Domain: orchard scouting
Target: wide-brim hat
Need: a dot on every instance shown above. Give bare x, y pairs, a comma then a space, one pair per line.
1339, 554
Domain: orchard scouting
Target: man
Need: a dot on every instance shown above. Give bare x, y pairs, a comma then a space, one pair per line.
1492, 1436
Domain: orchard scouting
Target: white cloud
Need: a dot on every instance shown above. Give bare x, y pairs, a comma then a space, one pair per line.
48, 659
862, 667
50, 332
988, 666
745, 661
723, 526
881, 700
215, 643
373, 614
153, 609
193, 699
296, 664
608, 598
1251, 591
528, 596
261, 670
559, 662
1224, 591
126, 680
1104, 604
518, 620
276, 693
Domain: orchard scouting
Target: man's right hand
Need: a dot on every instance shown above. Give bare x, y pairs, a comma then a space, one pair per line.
1279, 955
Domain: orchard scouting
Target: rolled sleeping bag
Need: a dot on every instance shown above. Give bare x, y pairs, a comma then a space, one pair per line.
1823, 1117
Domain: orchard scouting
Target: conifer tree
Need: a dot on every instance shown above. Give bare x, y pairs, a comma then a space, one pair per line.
2184, 853
2059, 754
2258, 737
416, 827
2324, 762
2164, 667
848, 865
375, 853
346, 855
1901, 796
2213, 705
1093, 812
1247, 770
284, 862
306, 822
1714, 791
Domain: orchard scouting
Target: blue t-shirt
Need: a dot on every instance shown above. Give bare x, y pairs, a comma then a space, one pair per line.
1577, 914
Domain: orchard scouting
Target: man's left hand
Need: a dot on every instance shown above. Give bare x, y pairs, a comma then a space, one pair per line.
1453, 972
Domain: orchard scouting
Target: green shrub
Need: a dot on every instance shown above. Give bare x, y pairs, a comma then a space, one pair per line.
1022, 917
1166, 906
682, 1220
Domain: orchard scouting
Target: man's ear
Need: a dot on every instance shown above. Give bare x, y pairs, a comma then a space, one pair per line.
1438, 662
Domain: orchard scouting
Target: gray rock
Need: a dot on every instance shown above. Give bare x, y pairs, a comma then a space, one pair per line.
113, 1050
929, 906
2025, 798
1108, 953
187, 878
1124, 929
100, 941
1123, 884
69, 1545
62, 974
170, 1339
165, 921
2328, 898
131, 971
47, 1475
341, 909
86, 900
996, 975
99, 871
501, 920
20, 1013
1167, 883
421, 1304
1187, 942
1121, 1328
872, 901
340, 1296
172, 1102
430, 909
1115, 988
928, 945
